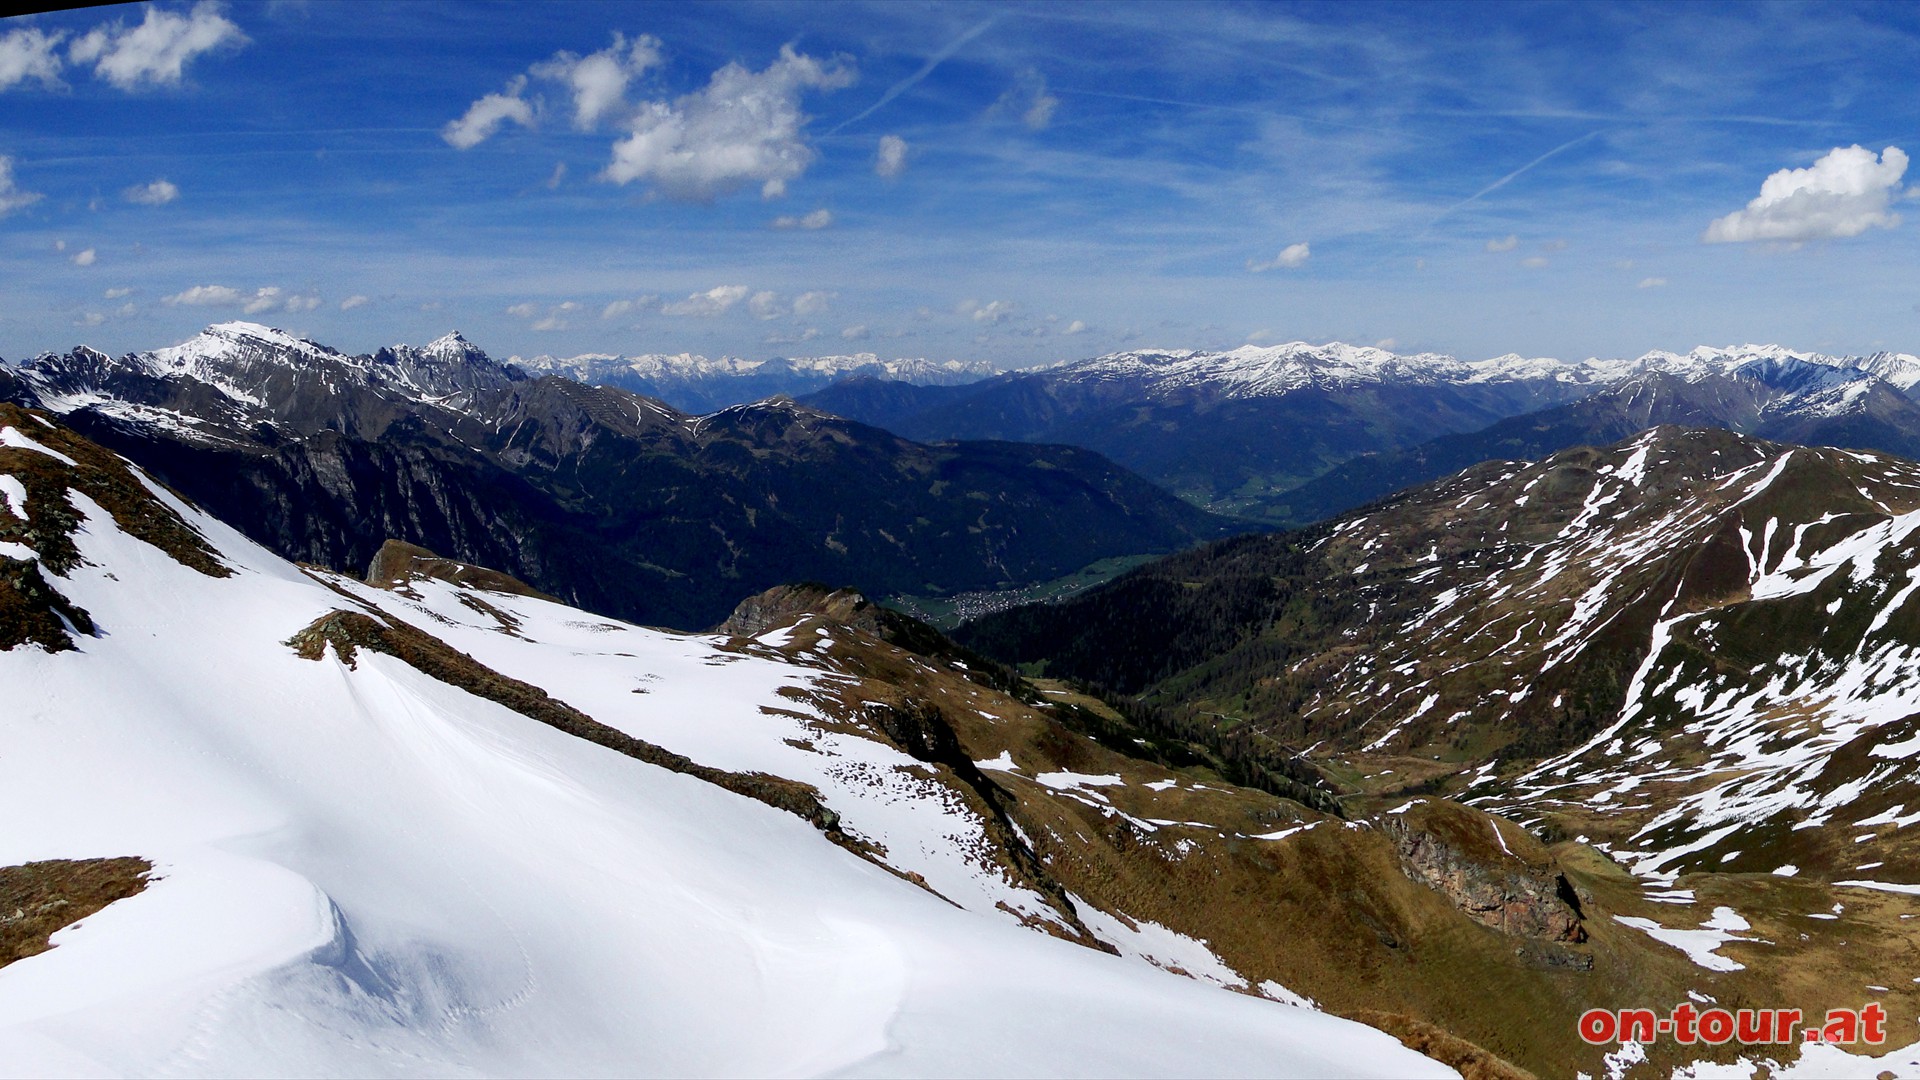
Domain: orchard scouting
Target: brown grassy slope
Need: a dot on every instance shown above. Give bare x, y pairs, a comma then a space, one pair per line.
38, 898
32, 608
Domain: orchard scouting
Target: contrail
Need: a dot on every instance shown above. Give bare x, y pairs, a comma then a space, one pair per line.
1512, 176
912, 80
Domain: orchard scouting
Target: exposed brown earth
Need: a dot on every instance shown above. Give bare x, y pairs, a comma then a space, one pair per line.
39, 898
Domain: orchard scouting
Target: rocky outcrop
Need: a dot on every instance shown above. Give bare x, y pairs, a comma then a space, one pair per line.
398, 562
1495, 873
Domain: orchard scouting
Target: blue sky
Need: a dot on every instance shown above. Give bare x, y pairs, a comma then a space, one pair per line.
1058, 180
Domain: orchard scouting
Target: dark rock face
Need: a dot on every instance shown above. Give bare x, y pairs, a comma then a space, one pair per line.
1472, 860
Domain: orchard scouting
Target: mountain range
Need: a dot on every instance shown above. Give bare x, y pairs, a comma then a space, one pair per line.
1264, 431
599, 496
1616, 712
698, 384
435, 821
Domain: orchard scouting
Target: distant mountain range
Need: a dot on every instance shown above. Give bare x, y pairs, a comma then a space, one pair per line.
610, 500
1250, 430
697, 384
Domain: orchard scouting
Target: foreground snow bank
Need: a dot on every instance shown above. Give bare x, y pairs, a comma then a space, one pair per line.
363, 871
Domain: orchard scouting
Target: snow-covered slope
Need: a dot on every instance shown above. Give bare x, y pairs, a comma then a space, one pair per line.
366, 870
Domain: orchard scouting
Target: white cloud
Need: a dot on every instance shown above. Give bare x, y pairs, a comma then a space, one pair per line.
115, 294
11, 197
807, 334
1653, 283
264, 299
354, 301
85, 258
485, 116
766, 305
1075, 327
158, 193
743, 127
1508, 244
598, 81
91, 318
622, 307
1844, 193
1028, 98
525, 310
126, 309
714, 301
559, 174
812, 303
819, 219
891, 159
1387, 343
1534, 263
29, 53
856, 333
159, 49
992, 313
1292, 257
301, 303
207, 296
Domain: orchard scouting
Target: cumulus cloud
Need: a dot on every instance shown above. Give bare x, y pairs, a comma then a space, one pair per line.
29, 53
1075, 327
485, 116
85, 258
206, 296
354, 301
891, 159
1845, 193
307, 302
992, 313
115, 294
766, 305
1653, 283
744, 127
158, 193
91, 318
715, 301
1027, 99
819, 219
1534, 263
622, 307
1291, 257
11, 196
158, 50
812, 303
1508, 244
265, 299
525, 310
1387, 343
556, 318
856, 333
598, 81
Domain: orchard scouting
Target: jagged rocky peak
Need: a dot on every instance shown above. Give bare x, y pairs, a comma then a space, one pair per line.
449, 364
